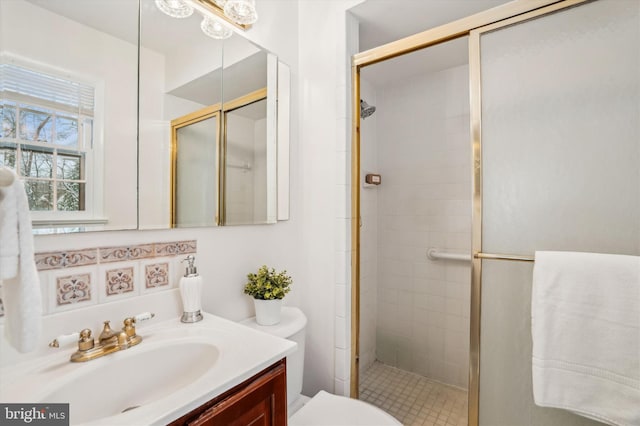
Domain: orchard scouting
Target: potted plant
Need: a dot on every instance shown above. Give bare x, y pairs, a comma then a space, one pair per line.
268, 288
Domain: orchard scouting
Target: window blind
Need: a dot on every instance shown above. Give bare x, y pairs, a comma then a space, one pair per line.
22, 84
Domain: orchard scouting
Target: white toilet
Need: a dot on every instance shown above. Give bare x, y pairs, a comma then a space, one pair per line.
324, 409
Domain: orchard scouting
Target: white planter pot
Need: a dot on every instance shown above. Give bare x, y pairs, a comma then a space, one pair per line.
268, 311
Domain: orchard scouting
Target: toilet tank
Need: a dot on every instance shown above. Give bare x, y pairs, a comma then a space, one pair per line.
292, 326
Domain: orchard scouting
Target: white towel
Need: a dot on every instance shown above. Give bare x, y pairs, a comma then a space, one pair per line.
6, 176
585, 318
21, 294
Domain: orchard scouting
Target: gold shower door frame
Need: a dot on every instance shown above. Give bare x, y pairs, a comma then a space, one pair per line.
217, 111
473, 26
206, 113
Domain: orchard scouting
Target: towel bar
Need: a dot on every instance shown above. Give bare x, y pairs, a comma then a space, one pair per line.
435, 254
513, 257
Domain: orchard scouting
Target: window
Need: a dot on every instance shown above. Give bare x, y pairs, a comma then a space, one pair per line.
46, 135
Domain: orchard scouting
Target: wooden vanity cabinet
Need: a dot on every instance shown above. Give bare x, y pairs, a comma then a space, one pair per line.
258, 401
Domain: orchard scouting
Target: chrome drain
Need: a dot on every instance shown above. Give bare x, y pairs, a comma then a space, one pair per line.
130, 408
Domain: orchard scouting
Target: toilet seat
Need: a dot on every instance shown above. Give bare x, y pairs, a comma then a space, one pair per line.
326, 409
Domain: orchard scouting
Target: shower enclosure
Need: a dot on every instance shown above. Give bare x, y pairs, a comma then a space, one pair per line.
552, 164
414, 307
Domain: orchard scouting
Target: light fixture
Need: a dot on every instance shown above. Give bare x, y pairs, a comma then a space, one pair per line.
175, 8
218, 14
241, 11
215, 29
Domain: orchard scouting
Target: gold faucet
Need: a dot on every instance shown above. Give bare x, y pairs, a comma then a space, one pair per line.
108, 342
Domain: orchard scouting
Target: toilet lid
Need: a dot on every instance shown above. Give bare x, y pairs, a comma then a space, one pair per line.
326, 409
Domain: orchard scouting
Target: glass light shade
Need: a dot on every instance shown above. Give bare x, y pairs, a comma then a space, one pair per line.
175, 8
214, 29
241, 11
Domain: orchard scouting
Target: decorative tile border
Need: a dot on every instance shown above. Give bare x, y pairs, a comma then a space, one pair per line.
72, 279
176, 248
93, 256
118, 254
66, 259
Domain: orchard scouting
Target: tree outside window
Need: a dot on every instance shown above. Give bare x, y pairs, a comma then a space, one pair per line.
42, 138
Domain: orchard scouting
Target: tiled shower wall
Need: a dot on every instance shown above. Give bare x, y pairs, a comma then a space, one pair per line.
368, 235
424, 202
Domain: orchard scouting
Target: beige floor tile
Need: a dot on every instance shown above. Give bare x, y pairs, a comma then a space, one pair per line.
413, 399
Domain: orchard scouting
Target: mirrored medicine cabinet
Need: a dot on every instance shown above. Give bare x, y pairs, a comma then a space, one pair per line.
120, 117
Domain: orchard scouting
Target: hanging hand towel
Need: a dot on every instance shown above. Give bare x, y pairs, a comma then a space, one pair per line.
21, 294
586, 335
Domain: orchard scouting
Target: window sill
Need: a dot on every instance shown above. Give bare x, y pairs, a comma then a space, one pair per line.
67, 226
44, 223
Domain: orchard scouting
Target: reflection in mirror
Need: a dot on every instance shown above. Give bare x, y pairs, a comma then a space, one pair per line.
245, 177
68, 110
195, 149
180, 75
250, 94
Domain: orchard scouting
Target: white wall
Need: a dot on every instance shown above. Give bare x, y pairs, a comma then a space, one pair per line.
424, 156
325, 158
318, 130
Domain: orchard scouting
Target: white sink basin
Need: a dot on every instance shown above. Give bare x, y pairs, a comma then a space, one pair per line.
133, 379
176, 368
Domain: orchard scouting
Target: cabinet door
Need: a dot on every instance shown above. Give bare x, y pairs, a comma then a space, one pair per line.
261, 401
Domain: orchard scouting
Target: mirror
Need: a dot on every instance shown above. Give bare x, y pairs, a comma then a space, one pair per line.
95, 148
68, 110
207, 127
180, 95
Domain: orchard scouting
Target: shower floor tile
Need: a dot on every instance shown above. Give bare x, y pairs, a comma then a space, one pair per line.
412, 398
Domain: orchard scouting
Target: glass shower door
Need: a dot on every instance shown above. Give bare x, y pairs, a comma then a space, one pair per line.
559, 170
195, 173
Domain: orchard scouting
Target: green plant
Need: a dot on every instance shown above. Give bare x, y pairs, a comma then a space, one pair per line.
267, 284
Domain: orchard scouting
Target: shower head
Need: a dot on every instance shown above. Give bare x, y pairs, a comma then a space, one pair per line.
365, 109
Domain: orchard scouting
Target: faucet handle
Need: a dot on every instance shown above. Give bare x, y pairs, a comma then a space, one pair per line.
129, 329
86, 340
143, 316
64, 339
130, 322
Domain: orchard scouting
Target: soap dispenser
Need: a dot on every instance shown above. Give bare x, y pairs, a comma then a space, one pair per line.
191, 292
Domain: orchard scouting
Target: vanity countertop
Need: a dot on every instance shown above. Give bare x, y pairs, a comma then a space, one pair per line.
175, 369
